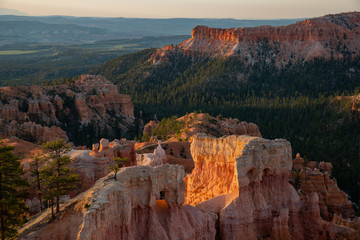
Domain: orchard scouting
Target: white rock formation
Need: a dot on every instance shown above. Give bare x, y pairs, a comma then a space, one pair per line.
158, 157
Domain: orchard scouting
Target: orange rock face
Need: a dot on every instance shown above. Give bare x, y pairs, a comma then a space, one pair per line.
245, 181
305, 40
355, 103
27, 112
215, 168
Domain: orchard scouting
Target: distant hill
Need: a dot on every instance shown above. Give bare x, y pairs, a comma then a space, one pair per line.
51, 28
32, 63
7, 11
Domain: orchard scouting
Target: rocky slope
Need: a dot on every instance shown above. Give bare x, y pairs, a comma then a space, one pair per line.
315, 177
91, 107
144, 203
331, 36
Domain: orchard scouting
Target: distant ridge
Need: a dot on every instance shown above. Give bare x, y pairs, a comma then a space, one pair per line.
120, 28
8, 11
332, 36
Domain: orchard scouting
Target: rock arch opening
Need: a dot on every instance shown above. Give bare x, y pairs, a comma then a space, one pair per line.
251, 174
266, 172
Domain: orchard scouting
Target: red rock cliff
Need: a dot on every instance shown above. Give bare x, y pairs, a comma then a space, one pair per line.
331, 35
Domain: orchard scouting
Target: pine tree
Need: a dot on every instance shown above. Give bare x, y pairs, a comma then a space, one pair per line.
57, 178
119, 163
12, 193
35, 173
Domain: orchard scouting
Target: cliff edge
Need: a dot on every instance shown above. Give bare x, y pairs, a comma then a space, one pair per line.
331, 36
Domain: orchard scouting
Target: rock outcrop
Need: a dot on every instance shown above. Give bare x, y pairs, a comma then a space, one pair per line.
244, 180
315, 177
94, 164
177, 153
149, 127
158, 157
215, 170
31, 131
43, 113
194, 123
144, 203
299, 162
331, 36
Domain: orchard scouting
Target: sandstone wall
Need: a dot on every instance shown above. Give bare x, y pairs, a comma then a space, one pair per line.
245, 180
215, 169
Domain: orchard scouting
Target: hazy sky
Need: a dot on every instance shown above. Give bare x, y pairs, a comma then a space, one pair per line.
240, 9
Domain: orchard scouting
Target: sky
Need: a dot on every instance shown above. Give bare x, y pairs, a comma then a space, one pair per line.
238, 9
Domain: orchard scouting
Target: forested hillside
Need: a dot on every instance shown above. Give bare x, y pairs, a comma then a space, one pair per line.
298, 102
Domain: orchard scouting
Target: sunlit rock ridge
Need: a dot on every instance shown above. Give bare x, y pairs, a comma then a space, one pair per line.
331, 36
